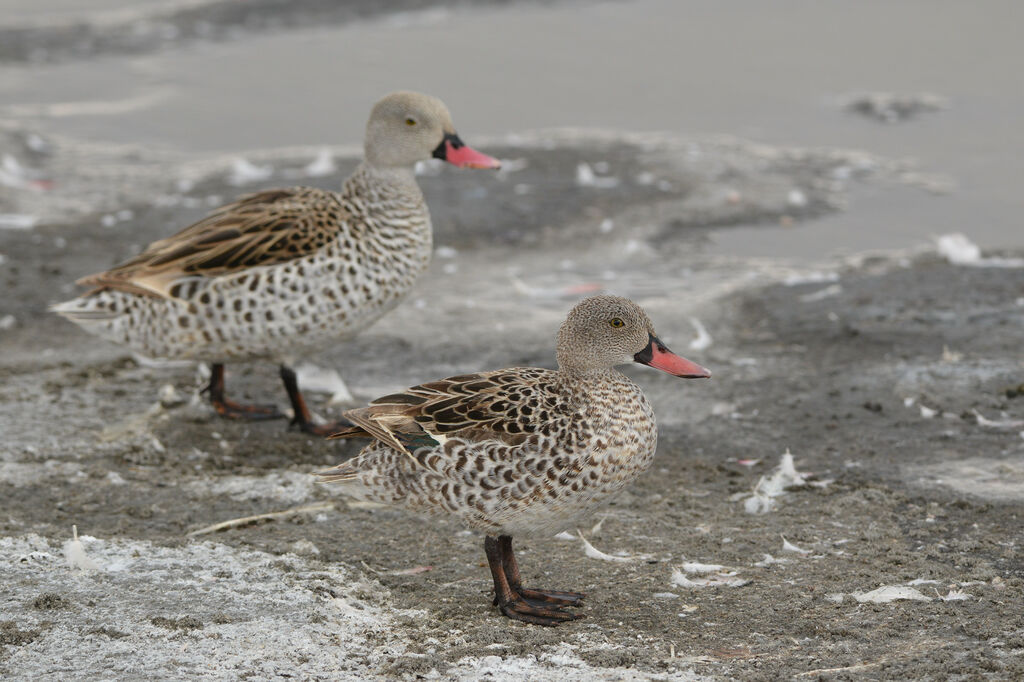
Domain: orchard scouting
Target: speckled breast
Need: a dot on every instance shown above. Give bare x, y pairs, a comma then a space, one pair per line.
279, 311
540, 486
303, 305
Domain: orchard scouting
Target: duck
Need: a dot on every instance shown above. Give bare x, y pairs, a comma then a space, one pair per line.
519, 451
281, 273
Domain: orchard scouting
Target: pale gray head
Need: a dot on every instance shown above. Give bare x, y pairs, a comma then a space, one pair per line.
406, 127
604, 331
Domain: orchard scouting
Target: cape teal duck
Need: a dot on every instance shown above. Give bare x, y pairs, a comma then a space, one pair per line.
522, 450
283, 272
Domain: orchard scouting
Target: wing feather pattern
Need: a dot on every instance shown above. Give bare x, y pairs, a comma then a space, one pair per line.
265, 228
507, 405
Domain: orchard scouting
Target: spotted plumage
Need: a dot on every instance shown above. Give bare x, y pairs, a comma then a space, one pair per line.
275, 275
283, 272
509, 452
521, 450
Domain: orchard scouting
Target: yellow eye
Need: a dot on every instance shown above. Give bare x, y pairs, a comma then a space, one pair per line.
616, 322
410, 121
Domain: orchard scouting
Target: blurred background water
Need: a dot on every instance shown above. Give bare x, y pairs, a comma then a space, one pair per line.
771, 72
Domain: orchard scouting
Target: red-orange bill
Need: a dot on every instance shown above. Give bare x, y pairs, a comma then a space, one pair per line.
456, 152
467, 157
657, 355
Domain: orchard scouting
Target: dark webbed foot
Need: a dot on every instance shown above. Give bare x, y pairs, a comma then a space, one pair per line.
555, 597
303, 419
230, 409
537, 597
545, 598
520, 609
539, 607
322, 430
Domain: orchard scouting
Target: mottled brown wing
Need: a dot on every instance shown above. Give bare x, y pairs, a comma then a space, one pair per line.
265, 228
506, 405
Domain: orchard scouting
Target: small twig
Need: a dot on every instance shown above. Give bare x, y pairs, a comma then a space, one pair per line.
360, 504
848, 668
234, 523
415, 570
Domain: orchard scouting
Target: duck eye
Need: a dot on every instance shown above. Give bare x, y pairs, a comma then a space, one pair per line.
617, 322
410, 121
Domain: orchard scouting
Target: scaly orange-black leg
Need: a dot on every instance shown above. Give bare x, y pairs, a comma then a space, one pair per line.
230, 409
302, 418
511, 566
510, 601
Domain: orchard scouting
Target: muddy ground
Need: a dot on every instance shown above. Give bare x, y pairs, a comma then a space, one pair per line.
895, 379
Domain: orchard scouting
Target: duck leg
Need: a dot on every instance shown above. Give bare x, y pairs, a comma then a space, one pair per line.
511, 567
511, 603
303, 419
230, 409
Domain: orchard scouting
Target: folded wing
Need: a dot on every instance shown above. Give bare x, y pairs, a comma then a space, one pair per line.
506, 405
265, 228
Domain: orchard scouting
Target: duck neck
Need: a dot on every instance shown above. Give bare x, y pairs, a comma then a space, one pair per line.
397, 179
580, 376
588, 390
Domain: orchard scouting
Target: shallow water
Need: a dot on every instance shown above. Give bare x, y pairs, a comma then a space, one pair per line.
768, 72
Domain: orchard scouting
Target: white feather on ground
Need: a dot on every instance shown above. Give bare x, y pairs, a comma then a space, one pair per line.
1003, 424
596, 528
322, 165
796, 279
244, 172
585, 177
319, 380
821, 294
595, 553
788, 546
768, 488
954, 595
680, 579
75, 554
694, 567
959, 250
922, 581
888, 593
769, 560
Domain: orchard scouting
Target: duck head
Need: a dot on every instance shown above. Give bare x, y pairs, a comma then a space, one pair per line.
406, 127
604, 331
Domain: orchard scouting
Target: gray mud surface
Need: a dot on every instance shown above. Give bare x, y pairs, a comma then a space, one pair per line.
833, 362
894, 378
